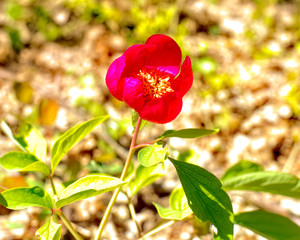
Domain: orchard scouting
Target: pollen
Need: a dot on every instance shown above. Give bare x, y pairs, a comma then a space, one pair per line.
156, 83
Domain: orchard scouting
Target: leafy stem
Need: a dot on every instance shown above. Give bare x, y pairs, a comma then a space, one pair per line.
124, 172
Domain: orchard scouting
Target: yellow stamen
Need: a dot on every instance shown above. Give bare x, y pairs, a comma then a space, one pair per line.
156, 83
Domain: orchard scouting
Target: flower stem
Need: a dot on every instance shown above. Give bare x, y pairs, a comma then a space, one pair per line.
159, 228
68, 225
116, 192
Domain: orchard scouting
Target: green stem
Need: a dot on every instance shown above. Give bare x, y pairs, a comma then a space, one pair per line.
157, 229
125, 169
133, 215
53, 187
68, 225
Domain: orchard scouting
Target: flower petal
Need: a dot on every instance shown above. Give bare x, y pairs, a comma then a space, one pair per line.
133, 94
135, 58
162, 110
184, 80
113, 77
166, 56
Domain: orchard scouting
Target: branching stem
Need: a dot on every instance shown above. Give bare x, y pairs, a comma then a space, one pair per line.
124, 172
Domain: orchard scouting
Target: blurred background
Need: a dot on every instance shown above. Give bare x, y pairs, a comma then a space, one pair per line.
54, 55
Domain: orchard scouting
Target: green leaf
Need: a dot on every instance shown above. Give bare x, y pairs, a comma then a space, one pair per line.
152, 155
20, 198
86, 187
50, 230
145, 176
6, 129
172, 214
35, 142
23, 162
179, 206
206, 197
269, 225
188, 133
178, 199
272, 182
66, 141
241, 168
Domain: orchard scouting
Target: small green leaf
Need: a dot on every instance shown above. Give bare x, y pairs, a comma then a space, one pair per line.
20, 198
50, 230
206, 197
272, 182
23, 162
36, 143
188, 133
179, 206
86, 187
178, 199
269, 225
241, 168
145, 176
66, 141
152, 155
172, 214
6, 129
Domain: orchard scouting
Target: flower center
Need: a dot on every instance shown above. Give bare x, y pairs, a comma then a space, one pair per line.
156, 83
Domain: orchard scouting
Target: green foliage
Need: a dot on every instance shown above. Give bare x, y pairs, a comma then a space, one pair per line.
188, 133
272, 182
15, 38
251, 177
6, 129
50, 230
145, 176
20, 198
152, 155
269, 225
86, 187
241, 168
66, 141
23, 162
13, 10
172, 214
206, 197
33, 142
179, 208
45, 24
293, 97
148, 23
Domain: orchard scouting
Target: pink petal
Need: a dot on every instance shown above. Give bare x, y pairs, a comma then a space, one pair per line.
113, 77
133, 94
166, 56
162, 110
184, 80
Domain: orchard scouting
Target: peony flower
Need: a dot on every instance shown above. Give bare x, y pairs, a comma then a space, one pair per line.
150, 79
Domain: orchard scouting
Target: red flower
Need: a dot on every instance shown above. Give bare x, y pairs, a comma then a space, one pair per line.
146, 78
